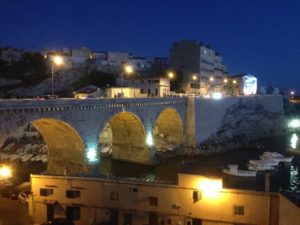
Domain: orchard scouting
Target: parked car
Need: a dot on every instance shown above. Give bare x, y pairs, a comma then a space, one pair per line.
23, 197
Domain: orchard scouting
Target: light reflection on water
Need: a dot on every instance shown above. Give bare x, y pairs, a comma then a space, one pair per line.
294, 141
294, 179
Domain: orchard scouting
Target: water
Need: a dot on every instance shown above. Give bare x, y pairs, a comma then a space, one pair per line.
284, 178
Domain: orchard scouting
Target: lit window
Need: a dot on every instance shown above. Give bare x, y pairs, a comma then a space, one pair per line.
72, 194
238, 210
153, 201
114, 196
46, 192
73, 213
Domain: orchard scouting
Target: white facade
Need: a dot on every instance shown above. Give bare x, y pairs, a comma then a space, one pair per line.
149, 86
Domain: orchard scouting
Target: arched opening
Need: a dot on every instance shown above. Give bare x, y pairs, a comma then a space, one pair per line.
124, 138
44, 144
168, 130
66, 154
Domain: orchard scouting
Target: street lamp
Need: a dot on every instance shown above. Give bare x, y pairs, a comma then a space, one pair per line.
57, 61
194, 78
128, 69
171, 75
5, 172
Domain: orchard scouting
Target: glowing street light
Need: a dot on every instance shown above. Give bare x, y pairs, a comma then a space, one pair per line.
171, 75
211, 79
225, 80
193, 85
234, 81
56, 61
5, 172
128, 69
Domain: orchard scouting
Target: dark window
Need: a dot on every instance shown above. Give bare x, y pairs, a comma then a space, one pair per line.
153, 201
142, 81
114, 196
153, 219
50, 212
127, 219
238, 210
197, 222
73, 213
114, 217
46, 192
133, 189
196, 196
169, 221
73, 194
189, 222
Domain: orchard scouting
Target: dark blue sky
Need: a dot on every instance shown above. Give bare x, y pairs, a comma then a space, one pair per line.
257, 36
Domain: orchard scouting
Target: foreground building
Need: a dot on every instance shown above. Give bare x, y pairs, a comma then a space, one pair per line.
201, 66
196, 200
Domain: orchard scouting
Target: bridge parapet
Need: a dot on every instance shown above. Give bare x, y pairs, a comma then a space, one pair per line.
87, 103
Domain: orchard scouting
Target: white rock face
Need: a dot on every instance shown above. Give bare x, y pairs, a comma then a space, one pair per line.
248, 120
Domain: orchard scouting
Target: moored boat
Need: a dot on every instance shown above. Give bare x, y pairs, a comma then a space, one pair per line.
234, 171
260, 167
275, 156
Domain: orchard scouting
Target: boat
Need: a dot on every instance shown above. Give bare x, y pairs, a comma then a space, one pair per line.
264, 162
275, 156
260, 167
234, 171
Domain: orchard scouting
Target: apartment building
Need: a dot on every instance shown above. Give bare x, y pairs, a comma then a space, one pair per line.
196, 200
201, 66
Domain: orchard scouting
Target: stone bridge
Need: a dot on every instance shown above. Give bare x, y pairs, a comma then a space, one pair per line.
72, 128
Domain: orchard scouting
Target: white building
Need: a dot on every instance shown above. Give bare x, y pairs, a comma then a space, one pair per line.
197, 60
149, 86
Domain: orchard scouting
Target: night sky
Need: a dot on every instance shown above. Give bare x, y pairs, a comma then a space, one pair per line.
259, 37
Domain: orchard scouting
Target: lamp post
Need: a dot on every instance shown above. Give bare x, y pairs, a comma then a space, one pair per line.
194, 78
56, 60
171, 75
128, 69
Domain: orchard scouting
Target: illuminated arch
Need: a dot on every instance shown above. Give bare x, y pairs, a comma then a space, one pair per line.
168, 128
126, 135
66, 154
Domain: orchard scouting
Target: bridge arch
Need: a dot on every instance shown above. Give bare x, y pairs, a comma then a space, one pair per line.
168, 129
124, 133
66, 154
